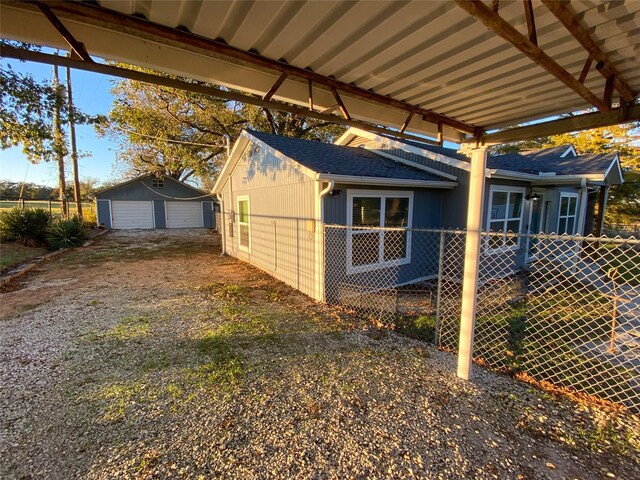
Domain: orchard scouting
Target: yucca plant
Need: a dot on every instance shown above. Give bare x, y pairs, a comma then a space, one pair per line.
65, 233
28, 226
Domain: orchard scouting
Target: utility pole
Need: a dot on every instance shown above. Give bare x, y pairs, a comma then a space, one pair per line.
74, 151
58, 140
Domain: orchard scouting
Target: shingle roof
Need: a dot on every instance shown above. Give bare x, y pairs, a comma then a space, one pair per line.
549, 160
535, 161
340, 160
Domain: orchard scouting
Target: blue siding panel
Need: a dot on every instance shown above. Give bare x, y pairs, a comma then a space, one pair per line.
208, 215
159, 214
104, 213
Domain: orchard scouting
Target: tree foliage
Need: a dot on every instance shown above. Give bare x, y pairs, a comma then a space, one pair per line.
182, 134
27, 113
624, 200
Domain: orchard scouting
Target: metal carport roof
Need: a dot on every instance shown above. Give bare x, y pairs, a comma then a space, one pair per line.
468, 66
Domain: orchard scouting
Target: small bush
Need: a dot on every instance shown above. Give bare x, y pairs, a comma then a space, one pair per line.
28, 226
89, 218
65, 233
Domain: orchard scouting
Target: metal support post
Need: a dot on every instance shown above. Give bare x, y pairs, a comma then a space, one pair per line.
471, 261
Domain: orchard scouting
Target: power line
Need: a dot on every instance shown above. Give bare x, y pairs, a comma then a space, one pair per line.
164, 139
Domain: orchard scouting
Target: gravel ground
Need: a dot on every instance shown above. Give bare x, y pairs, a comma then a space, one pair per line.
148, 355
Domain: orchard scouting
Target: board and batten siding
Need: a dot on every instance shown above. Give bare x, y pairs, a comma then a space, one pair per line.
282, 217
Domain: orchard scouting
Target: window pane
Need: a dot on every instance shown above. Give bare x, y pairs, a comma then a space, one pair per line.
496, 226
573, 202
562, 225
513, 226
571, 225
515, 205
396, 212
366, 211
498, 205
564, 204
395, 245
244, 235
243, 211
365, 248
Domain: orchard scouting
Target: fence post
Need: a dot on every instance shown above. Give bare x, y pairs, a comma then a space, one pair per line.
471, 261
50, 213
439, 297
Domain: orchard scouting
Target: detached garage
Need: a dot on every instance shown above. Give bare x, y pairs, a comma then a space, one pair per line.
151, 202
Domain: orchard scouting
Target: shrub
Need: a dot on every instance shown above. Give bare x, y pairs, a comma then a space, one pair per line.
65, 233
89, 218
28, 226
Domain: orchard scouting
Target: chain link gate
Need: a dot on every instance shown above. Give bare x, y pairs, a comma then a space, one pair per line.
561, 309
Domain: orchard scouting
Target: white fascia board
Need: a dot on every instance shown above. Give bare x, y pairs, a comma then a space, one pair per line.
346, 137
234, 156
277, 153
616, 161
544, 179
238, 150
568, 151
424, 168
399, 144
391, 182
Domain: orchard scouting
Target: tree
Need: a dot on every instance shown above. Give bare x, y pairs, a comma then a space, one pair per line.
624, 200
184, 135
27, 115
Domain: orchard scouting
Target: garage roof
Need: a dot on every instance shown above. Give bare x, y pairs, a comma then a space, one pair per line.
470, 66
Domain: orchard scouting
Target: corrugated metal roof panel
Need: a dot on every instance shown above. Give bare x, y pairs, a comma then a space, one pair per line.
430, 54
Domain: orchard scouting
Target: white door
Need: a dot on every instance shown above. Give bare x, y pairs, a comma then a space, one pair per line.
184, 214
132, 214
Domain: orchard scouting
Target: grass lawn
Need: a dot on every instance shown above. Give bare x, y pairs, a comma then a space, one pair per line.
13, 254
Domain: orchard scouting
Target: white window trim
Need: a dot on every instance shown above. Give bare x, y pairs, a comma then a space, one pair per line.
242, 198
505, 189
575, 215
382, 194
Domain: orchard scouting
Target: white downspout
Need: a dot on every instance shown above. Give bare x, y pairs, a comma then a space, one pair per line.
471, 261
319, 232
223, 232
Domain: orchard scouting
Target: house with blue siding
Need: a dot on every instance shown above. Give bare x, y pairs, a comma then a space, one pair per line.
278, 194
149, 202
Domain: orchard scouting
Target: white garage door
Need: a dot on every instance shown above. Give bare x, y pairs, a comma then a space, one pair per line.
184, 214
132, 214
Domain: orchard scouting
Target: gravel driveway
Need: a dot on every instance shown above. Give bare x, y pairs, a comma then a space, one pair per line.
148, 355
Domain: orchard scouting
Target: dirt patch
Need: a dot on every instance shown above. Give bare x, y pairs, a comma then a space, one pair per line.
148, 361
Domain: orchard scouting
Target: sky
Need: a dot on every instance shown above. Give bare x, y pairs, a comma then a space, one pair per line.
91, 94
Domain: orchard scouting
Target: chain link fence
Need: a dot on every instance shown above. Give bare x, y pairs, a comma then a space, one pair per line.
560, 309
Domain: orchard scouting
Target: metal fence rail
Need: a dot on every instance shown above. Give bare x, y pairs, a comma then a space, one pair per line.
563, 309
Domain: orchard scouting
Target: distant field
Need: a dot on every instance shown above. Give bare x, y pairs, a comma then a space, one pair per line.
55, 206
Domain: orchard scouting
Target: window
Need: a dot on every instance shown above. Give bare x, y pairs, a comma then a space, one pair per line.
157, 182
567, 213
370, 248
244, 229
505, 215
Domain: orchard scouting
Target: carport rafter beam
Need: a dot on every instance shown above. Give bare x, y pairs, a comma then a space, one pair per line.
75, 45
625, 113
141, 28
571, 23
480, 11
28, 55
